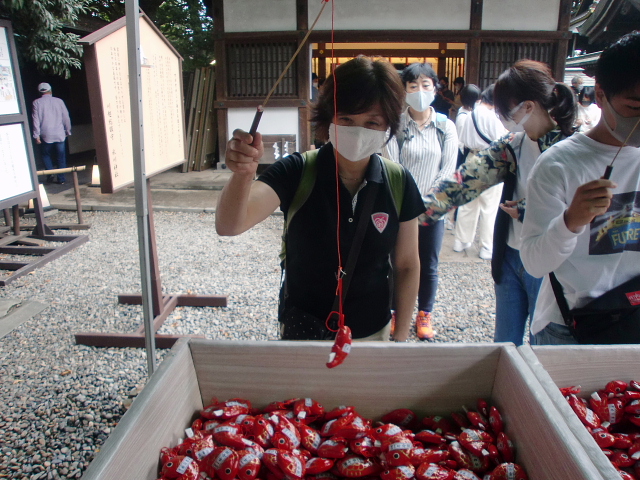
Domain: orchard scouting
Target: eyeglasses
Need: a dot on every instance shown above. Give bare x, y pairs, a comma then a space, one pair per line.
512, 112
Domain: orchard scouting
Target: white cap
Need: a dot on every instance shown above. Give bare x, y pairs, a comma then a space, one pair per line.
44, 87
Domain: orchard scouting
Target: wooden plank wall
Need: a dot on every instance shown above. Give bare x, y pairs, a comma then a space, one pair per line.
201, 124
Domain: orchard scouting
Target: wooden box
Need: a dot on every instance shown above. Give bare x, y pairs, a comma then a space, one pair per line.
376, 377
589, 366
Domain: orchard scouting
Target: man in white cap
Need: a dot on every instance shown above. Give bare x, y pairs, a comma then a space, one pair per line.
51, 127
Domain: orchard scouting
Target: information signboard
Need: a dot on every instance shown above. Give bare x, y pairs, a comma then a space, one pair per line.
15, 175
162, 103
17, 168
9, 103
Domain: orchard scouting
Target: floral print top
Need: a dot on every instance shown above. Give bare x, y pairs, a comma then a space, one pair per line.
479, 172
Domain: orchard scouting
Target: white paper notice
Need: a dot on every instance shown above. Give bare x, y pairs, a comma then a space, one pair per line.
8, 94
15, 176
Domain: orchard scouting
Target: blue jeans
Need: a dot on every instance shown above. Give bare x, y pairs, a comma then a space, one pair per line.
429, 245
516, 296
48, 150
554, 334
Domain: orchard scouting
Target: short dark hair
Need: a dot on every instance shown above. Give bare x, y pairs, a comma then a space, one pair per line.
469, 95
362, 83
413, 72
532, 80
617, 68
459, 80
487, 94
587, 92
445, 80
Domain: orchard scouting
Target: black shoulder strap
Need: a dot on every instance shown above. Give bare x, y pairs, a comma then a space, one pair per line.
503, 220
396, 177
307, 181
562, 301
363, 222
475, 124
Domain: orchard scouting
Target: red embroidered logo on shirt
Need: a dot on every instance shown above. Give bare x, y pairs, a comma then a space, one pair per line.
634, 297
380, 220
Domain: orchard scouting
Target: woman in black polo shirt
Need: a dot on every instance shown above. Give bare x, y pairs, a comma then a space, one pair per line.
369, 101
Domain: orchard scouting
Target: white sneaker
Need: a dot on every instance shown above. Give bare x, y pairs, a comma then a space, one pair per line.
485, 253
458, 246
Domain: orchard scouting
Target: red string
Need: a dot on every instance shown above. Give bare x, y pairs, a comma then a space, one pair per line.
340, 272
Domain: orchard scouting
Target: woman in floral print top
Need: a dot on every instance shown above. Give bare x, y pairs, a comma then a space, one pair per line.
538, 112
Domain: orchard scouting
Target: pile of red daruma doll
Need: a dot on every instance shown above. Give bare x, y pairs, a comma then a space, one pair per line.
612, 416
297, 440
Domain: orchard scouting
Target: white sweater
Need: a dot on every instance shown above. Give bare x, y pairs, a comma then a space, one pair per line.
604, 254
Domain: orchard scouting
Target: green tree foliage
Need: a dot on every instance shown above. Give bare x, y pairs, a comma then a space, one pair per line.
184, 22
111, 10
38, 26
189, 29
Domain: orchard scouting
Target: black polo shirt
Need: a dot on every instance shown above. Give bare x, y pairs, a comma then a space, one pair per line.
312, 257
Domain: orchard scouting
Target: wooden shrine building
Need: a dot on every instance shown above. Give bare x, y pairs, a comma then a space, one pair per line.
475, 39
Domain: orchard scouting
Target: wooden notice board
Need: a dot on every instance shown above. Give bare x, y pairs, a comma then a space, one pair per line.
22, 251
17, 167
163, 116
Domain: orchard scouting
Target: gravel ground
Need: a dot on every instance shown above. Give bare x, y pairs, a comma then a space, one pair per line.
59, 401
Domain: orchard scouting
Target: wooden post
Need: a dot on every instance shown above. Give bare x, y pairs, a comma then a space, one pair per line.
562, 46
304, 77
442, 61
475, 22
222, 93
473, 62
16, 220
76, 191
322, 62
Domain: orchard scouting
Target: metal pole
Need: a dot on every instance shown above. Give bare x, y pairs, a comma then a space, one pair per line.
132, 11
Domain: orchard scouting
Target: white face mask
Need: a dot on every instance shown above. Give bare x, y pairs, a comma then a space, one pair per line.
421, 100
356, 143
510, 124
626, 131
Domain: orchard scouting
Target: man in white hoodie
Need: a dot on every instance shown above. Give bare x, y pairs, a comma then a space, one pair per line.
579, 225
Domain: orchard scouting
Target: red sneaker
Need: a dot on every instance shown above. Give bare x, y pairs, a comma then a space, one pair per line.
424, 329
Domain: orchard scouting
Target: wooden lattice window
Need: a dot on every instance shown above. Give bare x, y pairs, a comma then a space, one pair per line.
253, 68
496, 57
454, 68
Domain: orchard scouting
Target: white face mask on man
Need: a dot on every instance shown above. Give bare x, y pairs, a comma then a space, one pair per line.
510, 124
626, 130
421, 100
356, 143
